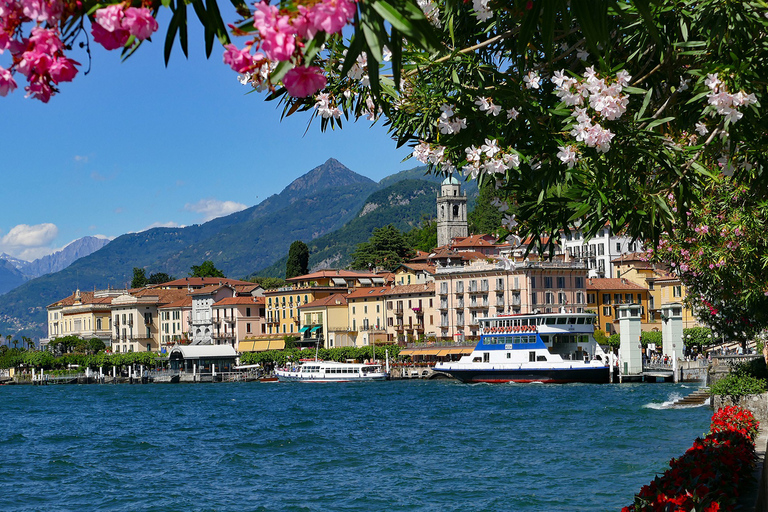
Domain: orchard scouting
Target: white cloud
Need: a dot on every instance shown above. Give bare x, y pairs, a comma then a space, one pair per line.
29, 242
81, 159
213, 208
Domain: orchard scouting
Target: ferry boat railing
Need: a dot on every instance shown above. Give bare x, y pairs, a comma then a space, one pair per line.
437, 344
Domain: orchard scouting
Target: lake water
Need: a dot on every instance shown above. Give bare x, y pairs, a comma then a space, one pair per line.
397, 445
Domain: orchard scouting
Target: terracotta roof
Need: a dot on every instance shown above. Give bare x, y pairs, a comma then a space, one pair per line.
425, 267
186, 302
337, 299
634, 256
199, 282
163, 296
368, 291
246, 288
85, 298
412, 288
333, 273
474, 241
234, 301
612, 283
209, 289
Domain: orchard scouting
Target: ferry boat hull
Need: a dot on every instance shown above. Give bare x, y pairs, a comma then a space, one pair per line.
547, 348
598, 375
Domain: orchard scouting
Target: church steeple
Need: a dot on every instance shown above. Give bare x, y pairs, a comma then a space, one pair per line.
451, 212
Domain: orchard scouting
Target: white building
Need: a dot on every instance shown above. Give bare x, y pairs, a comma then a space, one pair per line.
598, 252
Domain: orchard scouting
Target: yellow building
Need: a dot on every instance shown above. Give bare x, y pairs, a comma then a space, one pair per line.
411, 312
83, 314
367, 315
282, 305
663, 286
325, 323
604, 295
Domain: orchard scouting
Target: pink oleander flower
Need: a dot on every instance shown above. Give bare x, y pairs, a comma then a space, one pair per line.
110, 18
278, 36
42, 10
63, 69
45, 40
109, 40
40, 90
7, 83
239, 60
139, 22
33, 62
302, 82
331, 16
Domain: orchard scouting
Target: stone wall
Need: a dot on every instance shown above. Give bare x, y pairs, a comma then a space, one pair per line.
758, 404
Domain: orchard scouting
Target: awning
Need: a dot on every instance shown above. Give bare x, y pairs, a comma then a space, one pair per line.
277, 345
304, 329
378, 280
315, 329
338, 281
245, 346
365, 281
406, 352
260, 346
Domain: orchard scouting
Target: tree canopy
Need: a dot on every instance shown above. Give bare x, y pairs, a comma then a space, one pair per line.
205, 269
298, 260
386, 249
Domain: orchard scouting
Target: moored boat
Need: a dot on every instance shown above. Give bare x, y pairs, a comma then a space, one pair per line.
331, 371
545, 347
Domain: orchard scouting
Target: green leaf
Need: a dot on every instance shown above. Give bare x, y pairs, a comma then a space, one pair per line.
657, 122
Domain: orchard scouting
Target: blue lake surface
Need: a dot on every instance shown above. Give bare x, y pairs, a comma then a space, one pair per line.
397, 445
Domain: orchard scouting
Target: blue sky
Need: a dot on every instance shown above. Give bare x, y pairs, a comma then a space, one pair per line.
135, 144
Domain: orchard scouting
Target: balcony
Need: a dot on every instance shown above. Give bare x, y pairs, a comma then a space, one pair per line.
418, 327
477, 305
443, 305
224, 335
399, 311
272, 320
418, 311
399, 327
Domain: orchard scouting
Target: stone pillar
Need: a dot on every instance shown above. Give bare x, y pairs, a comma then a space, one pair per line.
630, 349
672, 330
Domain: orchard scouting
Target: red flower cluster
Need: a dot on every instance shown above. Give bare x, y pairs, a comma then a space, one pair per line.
707, 477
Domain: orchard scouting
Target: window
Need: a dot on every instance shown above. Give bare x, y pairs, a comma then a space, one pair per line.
579, 297
606, 310
618, 246
677, 291
500, 283
248, 328
579, 282
561, 298
547, 282
606, 298
353, 310
549, 297
617, 298
247, 311
533, 282
600, 249
533, 298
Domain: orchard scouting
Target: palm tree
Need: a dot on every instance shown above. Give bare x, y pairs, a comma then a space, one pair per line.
8, 337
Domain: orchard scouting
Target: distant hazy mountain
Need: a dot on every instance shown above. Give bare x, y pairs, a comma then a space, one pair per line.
14, 272
10, 276
62, 259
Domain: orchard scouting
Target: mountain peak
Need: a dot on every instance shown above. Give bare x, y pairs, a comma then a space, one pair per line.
328, 175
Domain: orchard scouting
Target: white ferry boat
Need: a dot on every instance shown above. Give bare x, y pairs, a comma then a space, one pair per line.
544, 347
331, 371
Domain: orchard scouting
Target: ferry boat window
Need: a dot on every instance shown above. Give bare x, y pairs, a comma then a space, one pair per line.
509, 355
532, 356
486, 357
551, 320
541, 358
572, 321
561, 320
580, 321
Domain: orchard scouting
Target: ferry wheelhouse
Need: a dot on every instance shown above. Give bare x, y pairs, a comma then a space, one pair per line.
544, 347
331, 371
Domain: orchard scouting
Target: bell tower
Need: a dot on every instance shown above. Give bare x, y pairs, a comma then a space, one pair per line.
451, 212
